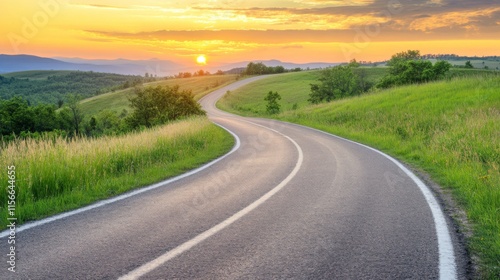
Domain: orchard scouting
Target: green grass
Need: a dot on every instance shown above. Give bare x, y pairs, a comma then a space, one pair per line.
249, 99
477, 63
119, 100
294, 88
448, 129
54, 175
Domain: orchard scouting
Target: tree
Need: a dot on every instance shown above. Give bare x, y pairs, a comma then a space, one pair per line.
468, 64
256, 68
336, 82
76, 112
45, 118
408, 68
273, 107
15, 116
353, 63
158, 105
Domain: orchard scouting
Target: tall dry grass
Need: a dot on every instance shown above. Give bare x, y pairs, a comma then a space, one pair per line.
55, 175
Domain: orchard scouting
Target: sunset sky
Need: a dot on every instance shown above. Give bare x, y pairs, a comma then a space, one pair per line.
230, 31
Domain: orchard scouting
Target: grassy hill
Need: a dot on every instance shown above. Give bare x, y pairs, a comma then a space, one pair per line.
296, 88
448, 129
119, 100
249, 99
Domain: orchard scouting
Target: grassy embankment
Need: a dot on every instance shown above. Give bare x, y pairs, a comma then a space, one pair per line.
119, 100
448, 129
56, 176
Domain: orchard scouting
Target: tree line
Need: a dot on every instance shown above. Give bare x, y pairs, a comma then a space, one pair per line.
151, 106
260, 68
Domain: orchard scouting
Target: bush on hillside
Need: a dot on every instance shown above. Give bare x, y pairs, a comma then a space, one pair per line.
409, 68
159, 105
339, 82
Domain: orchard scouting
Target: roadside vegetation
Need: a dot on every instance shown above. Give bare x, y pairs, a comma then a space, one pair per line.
65, 159
449, 129
107, 114
54, 175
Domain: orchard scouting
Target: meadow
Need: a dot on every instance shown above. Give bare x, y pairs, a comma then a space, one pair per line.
57, 175
448, 129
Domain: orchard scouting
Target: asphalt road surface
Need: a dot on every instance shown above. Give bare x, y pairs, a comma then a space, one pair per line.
288, 202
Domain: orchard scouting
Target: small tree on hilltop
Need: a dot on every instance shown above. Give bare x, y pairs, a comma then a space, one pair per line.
273, 107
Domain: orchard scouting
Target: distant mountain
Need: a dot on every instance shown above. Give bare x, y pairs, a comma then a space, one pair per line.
16, 63
160, 68
153, 66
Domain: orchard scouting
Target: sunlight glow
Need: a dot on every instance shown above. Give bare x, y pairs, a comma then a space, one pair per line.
201, 59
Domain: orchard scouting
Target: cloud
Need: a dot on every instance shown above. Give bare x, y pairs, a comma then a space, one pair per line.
349, 14
468, 20
317, 21
269, 37
293, 47
99, 6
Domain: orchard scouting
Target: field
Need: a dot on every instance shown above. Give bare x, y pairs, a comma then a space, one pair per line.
448, 129
57, 175
119, 100
477, 63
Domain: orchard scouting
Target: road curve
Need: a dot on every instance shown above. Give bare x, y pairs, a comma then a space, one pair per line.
289, 202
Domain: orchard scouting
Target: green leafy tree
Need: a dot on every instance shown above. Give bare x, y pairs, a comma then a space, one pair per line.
45, 118
468, 64
76, 112
398, 61
16, 116
158, 105
336, 82
65, 119
409, 68
273, 107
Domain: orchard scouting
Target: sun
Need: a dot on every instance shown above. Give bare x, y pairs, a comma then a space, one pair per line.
201, 59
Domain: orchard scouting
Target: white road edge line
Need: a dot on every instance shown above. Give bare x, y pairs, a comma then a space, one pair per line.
150, 266
447, 264
126, 195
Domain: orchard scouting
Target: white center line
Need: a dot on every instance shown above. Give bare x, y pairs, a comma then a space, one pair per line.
150, 266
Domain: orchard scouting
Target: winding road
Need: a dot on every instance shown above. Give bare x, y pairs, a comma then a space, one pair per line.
288, 202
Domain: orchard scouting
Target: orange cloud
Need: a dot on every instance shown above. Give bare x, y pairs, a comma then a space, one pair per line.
468, 20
